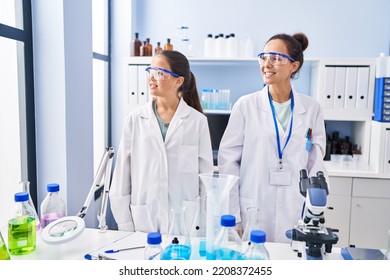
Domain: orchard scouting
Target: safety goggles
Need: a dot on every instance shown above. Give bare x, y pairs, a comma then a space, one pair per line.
276, 59
160, 74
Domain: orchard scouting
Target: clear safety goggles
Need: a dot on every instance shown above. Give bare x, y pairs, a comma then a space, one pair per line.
160, 74
276, 59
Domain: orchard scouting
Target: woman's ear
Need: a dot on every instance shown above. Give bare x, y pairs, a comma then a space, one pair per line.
295, 66
180, 82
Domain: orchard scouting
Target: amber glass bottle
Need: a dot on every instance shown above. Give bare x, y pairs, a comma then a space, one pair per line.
158, 48
168, 45
143, 49
149, 47
135, 45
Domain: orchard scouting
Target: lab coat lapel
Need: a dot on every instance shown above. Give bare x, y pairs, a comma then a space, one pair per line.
299, 111
182, 111
266, 109
148, 114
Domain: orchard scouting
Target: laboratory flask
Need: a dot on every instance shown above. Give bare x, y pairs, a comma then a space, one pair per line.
179, 247
256, 250
22, 227
153, 249
26, 188
227, 243
251, 222
52, 207
198, 228
218, 188
4, 255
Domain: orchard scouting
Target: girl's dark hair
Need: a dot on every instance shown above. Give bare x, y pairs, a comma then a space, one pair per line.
296, 44
180, 65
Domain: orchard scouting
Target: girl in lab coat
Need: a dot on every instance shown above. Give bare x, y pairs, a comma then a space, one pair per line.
165, 144
271, 135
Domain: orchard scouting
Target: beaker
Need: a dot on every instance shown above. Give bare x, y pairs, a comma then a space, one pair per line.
218, 188
251, 223
198, 227
179, 243
4, 255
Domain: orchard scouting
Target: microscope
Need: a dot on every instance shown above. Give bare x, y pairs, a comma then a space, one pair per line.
310, 232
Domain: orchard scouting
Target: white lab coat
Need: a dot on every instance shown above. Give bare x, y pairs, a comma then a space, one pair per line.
248, 149
152, 176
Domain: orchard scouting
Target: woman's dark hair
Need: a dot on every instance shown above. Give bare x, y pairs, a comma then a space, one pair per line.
296, 44
180, 65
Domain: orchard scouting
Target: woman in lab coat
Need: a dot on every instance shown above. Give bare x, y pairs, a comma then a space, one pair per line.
165, 144
271, 135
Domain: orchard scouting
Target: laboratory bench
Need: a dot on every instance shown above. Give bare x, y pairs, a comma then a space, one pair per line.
93, 242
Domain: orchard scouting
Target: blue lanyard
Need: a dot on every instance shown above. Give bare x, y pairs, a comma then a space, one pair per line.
280, 151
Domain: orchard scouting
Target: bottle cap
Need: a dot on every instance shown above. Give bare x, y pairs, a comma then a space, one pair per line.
258, 236
154, 238
53, 187
21, 196
228, 221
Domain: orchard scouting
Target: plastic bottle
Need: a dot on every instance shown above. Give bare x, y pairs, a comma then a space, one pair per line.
232, 46
52, 207
168, 45
381, 66
22, 227
220, 46
153, 249
209, 46
26, 188
227, 243
256, 249
135, 45
4, 255
246, 49
158, 48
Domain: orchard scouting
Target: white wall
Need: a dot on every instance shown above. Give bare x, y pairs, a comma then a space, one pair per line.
62, 35
335, 28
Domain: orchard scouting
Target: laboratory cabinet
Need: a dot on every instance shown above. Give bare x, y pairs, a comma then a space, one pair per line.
370, 209
360, 211
380, 148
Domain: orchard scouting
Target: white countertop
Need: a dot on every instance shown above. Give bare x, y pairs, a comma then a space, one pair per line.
93, 242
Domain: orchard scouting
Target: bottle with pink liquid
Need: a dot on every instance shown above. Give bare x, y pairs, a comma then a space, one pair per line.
52, 207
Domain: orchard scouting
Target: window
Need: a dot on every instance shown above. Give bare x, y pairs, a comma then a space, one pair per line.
17, 124
101, 77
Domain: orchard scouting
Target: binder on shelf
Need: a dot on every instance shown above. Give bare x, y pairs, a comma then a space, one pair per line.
143, 89
362, 87
329, 87
351, 87
339, 87
132, 93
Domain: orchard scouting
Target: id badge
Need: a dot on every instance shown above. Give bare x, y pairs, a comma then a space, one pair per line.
280, 177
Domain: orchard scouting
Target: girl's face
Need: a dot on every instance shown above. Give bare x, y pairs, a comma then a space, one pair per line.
167, 84
277, 74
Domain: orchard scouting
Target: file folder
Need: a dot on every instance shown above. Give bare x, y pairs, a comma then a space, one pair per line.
351, 87
329, 87
339, 87
362, 87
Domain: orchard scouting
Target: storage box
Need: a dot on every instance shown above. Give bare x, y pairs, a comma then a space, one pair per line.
382, 100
